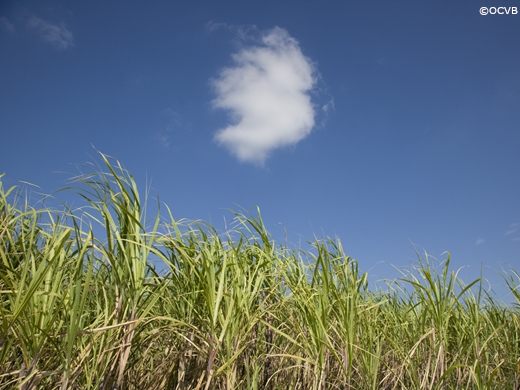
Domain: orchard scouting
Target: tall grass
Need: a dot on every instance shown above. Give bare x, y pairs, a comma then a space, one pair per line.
85, 310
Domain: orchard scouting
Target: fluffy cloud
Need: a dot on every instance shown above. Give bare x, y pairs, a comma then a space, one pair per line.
57, 36
267, 96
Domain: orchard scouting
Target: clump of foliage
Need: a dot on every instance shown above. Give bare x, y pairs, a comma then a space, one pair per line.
232, 311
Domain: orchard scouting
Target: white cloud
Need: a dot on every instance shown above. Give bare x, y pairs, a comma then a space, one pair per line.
163, 139
513, 229
57, 36
6, 24
267, 96
212, 26
174, 125
329, 106
479, 241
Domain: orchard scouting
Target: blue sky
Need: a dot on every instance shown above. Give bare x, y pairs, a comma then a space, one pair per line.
379, 122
